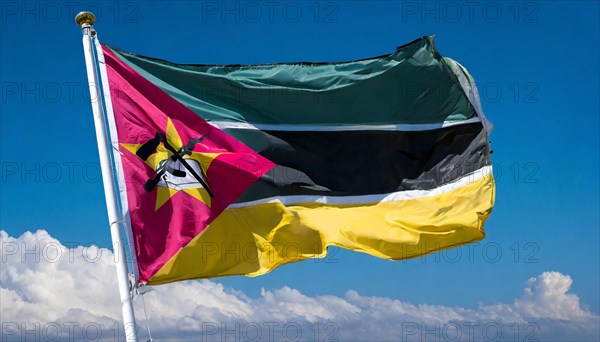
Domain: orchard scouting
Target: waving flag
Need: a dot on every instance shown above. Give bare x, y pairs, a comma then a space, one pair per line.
238, 169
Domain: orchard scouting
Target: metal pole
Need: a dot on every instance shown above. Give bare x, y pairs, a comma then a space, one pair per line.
86, 20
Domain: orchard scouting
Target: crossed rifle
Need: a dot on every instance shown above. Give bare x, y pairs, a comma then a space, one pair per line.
150, 146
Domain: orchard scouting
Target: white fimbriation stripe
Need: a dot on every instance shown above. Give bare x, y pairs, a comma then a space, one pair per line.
366, 199
122, 186
340, 128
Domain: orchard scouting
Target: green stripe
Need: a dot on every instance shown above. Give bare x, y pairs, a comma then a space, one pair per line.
411, 86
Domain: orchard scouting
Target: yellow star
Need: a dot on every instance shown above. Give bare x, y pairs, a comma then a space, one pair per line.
166, 189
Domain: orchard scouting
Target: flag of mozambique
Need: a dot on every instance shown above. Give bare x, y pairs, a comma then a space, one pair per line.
238, 169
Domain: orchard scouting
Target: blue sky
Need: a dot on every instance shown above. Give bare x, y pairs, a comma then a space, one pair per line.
536, 65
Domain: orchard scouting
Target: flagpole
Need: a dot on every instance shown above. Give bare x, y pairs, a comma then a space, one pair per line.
85, 20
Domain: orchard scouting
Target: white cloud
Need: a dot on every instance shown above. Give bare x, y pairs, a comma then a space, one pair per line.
546, 297
49, 290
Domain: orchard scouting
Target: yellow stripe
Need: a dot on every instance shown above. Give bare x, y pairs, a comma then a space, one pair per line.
255, 240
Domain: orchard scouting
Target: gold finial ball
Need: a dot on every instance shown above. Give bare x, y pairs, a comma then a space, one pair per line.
85, 18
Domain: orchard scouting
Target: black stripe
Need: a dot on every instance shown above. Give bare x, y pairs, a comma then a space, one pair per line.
350, 163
